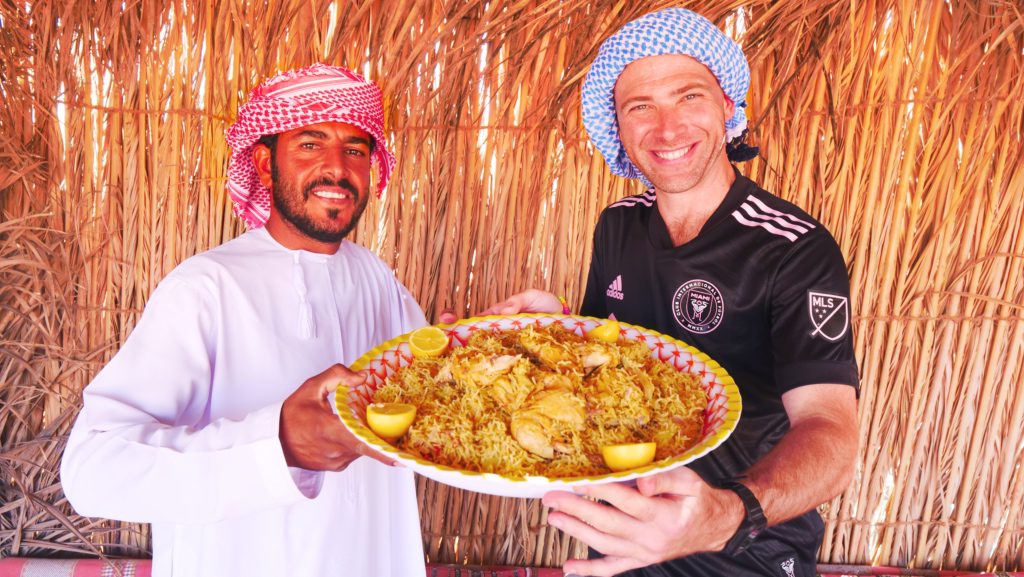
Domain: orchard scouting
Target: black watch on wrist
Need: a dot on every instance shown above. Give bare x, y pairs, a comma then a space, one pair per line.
753, 522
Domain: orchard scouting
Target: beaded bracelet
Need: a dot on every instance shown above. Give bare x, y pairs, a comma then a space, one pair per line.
565, 306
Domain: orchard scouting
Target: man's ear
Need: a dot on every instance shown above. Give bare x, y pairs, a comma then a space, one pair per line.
261, 159
730, 107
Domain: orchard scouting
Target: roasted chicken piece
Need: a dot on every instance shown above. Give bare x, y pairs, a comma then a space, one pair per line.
501, 377
550, 407
481, 371
568, 352
547, 350
555, 398
530, 430
510, 389
594, 355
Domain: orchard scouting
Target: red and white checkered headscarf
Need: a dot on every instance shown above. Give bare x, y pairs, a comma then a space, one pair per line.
319, 93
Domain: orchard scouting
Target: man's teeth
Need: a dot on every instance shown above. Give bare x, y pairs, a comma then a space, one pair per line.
673, 154
331, 194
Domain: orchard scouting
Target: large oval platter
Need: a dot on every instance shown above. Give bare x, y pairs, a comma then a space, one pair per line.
720, 418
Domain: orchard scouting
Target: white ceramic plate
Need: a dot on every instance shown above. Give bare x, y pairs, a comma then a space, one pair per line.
720, 418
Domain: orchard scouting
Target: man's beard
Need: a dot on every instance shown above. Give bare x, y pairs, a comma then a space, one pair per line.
300, 219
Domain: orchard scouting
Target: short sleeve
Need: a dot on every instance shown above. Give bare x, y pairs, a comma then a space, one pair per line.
811, 320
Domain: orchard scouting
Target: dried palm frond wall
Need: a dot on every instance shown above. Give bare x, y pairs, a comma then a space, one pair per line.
898, 124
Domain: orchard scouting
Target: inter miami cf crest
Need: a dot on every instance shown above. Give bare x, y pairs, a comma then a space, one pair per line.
698, 306
830, 315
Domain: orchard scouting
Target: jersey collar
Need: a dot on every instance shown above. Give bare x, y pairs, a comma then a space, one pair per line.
740, 189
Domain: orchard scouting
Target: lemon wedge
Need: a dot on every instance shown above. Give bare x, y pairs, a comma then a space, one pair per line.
608, 332
428, 342
628, 456
390, 420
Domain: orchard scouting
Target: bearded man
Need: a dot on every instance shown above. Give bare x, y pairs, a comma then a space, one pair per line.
213, 422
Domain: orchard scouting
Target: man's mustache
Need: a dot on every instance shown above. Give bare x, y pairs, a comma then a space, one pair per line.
343, 183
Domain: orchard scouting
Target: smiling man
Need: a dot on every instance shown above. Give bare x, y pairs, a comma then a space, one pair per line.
213, 422
707, 256
322, 191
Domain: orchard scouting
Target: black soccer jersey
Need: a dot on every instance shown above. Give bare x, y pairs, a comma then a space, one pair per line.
762, 289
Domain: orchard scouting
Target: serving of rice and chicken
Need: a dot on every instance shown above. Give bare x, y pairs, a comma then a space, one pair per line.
542, 401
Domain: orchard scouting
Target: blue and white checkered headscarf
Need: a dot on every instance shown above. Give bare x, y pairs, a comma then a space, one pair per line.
670, 31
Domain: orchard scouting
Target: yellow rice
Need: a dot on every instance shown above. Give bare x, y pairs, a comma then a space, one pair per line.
459, 424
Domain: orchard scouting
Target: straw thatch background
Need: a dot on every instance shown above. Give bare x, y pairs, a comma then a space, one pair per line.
898, 124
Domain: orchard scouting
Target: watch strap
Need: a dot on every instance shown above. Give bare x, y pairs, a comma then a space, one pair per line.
754, 521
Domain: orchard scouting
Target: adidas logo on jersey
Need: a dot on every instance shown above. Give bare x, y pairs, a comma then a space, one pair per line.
615, 289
